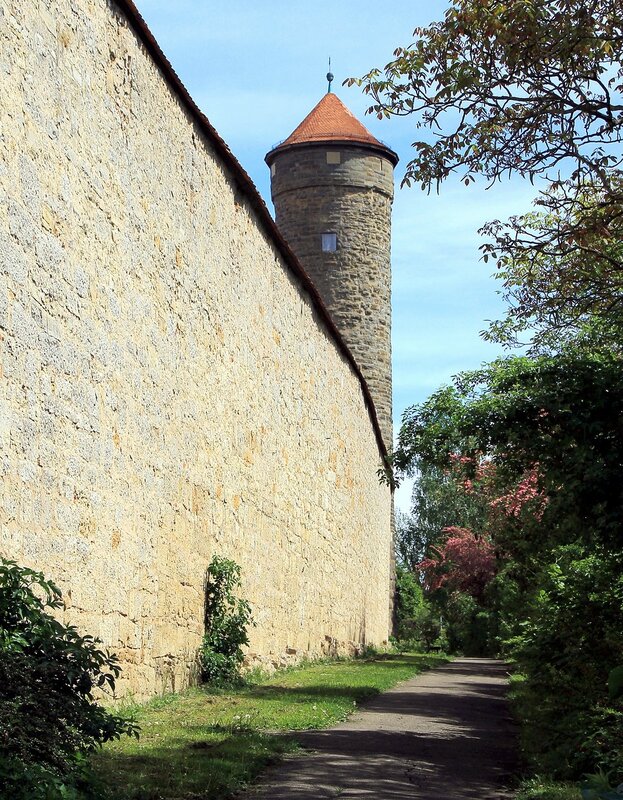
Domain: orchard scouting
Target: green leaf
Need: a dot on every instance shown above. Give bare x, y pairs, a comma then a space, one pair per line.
615, 682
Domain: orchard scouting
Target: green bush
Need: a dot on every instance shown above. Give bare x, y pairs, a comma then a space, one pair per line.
468, 625
574, 725
227, 618
408, 603
49, 720
417, 623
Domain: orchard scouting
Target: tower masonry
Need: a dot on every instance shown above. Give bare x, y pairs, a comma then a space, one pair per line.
332, 186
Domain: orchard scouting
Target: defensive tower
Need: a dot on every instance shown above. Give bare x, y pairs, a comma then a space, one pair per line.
332, 186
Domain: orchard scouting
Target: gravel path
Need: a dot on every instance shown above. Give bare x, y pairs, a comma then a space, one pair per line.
443, 735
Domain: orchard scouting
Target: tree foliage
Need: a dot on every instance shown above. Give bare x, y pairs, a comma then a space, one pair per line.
417, 622
49, 719
227, 618
561, 272
540, 441
533, 88
561, 412
525, 86
466, 563
437, 503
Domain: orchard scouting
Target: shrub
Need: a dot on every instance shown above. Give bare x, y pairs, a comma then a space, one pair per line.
573, 724
408, 603
417, 623
227, 618
49, 720
469, 625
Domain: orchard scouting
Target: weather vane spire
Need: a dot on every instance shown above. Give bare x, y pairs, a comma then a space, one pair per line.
329, 76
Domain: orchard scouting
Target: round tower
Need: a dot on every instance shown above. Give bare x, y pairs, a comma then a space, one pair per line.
332, 186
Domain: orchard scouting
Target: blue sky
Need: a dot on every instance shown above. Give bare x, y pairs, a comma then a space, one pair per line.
257, 69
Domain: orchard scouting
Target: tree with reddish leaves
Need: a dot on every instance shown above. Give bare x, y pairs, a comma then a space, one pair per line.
465, 563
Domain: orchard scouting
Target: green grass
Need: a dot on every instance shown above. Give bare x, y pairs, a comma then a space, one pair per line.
544, 789
206, 743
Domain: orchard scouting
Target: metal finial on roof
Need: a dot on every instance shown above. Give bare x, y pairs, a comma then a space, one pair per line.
329, 76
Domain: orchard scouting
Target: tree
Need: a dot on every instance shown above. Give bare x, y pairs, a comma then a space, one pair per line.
465, 563
573, 288
49, 719
409, 604
227, 618
542, 439
536, 83
436, 504
533, 88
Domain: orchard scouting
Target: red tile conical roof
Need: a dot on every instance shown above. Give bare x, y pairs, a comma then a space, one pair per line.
331, 121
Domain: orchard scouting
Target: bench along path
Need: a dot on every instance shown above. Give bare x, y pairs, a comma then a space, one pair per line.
444, 734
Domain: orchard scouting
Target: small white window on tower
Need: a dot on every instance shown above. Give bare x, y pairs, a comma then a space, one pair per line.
329, 242
333, 157
273, 169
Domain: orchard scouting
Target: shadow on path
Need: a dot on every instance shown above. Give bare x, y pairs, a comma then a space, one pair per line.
444, 734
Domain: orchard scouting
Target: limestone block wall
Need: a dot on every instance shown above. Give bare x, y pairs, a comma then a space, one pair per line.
168, 389
351, 198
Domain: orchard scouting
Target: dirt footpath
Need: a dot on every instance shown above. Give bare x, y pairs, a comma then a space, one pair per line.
443, 734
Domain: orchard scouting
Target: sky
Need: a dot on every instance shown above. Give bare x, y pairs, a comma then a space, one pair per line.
257, 69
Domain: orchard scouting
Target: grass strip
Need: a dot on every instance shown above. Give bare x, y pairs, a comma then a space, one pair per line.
206, 743
538, 788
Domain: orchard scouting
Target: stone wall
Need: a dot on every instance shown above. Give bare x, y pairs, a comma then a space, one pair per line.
351, 198
168, 389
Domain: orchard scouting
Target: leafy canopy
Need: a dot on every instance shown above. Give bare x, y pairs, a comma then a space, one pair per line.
561, 270
540, 439
466, 563
436, 504
532, 88
518, 86
49, 672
